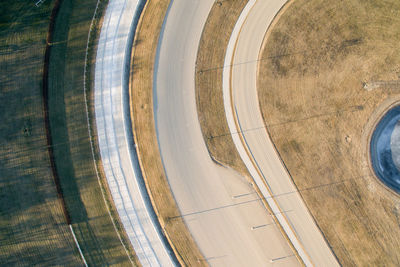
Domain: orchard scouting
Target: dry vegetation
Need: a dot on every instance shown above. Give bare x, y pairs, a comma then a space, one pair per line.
32, 225
141, 93
209, 68
311, 74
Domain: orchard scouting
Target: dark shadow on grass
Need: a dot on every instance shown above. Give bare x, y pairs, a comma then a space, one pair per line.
57, 135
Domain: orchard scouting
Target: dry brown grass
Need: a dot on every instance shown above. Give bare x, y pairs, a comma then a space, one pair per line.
209, 68
311, 75
141, 94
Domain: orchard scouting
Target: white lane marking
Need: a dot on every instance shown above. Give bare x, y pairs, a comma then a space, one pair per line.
77, 245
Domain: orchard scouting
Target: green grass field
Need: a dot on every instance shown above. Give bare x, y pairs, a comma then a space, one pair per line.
32, 225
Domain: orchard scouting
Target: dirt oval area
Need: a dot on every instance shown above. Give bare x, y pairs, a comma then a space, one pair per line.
327, 72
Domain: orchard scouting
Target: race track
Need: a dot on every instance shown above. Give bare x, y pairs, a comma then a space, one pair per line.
255, 146
229, 230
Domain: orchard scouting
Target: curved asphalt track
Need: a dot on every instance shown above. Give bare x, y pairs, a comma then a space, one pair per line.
221, 209
255, 146
113, 127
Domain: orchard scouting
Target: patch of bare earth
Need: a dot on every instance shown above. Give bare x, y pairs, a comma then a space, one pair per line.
313, 72
141, 97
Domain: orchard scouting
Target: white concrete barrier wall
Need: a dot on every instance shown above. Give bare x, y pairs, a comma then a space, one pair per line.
117, 152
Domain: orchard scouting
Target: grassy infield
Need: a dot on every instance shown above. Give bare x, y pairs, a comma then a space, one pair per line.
318, 115
29, 203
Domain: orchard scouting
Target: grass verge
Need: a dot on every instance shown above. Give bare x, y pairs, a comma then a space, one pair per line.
209, 97
71, 144
141, 99
33, 230
311, 74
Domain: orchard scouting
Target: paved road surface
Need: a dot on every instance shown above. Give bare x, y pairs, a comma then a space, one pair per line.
298, 224
222, 211
117, 154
